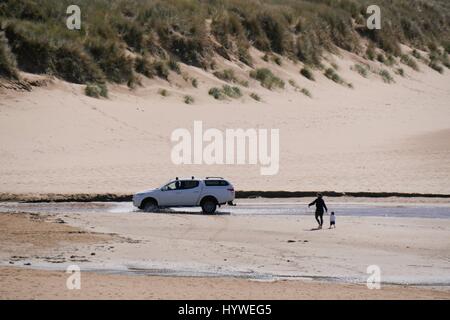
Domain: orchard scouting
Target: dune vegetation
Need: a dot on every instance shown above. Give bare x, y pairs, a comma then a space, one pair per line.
122, 40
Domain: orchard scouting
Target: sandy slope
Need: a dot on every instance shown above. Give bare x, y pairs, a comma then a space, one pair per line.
376, 137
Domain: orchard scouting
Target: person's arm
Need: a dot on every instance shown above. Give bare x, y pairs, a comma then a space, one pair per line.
325, 206
312, 203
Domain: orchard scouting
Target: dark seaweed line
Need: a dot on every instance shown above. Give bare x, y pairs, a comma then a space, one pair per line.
112, 197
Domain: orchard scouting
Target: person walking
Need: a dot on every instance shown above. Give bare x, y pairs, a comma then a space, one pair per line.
320, 206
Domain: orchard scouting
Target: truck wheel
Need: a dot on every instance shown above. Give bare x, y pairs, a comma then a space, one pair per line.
209, 206
150, 206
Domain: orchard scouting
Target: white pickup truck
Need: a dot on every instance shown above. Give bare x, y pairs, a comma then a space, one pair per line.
206, 193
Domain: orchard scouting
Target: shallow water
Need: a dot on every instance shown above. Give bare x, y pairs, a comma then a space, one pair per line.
251, 207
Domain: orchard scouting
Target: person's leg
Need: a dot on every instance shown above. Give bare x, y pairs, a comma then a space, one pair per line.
321, 219
317, 218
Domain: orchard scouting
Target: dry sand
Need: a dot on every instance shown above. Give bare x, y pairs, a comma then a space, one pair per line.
163, 256
375, 137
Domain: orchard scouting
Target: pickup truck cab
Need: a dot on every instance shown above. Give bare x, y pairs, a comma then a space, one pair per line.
206, 193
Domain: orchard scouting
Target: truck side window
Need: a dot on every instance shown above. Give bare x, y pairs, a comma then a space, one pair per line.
189, 184
216, 183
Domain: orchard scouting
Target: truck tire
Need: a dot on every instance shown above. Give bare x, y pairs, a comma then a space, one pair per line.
209, 206
149, 205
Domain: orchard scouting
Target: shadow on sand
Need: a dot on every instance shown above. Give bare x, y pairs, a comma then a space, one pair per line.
181, 212
314, 229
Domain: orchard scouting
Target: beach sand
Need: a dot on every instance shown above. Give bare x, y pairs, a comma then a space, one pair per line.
183, 256
19, 283
375, 137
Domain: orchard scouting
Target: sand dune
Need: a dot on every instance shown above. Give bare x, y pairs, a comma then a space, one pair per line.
375, 137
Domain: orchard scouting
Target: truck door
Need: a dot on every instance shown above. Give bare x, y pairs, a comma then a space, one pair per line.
170, 194
190, 192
